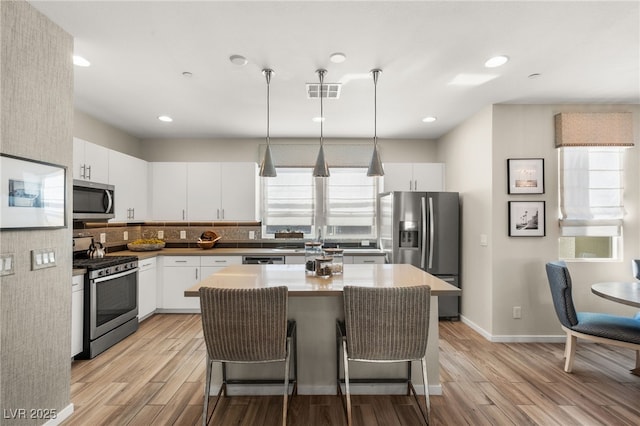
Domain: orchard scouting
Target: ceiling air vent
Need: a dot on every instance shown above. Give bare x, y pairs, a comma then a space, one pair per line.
329, 90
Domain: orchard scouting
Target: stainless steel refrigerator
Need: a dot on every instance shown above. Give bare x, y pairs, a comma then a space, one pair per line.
423, 229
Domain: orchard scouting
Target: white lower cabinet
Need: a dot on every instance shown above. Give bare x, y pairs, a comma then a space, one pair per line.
363, 259
147, 288
77, 312
178, 274
212, 264
181, 272
294, 260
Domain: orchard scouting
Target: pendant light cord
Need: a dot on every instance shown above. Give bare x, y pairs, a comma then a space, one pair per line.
267, 73
321, 74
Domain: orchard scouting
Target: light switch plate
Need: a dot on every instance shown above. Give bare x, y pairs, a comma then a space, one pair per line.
183, 235
161, 235
43, 258
103, 237
7, 264
125, 235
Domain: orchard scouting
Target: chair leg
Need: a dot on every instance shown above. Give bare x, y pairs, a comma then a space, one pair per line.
207, 389
346, 382
425, 379
570, 352
285, 396
637, 359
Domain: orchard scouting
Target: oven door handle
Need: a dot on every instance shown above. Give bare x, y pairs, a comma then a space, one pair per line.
114, 276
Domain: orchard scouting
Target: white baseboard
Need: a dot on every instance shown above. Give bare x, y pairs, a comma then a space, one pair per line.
515, 338
61, 416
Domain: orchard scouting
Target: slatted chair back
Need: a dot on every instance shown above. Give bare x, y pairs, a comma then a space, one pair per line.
245, 325
387, 323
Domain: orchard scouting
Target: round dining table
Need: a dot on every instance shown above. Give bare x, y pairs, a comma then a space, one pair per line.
619, 291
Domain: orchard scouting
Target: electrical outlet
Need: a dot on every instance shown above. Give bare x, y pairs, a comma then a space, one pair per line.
252, 235
161, 235
103, 237
517, 312
183, 235
125, 235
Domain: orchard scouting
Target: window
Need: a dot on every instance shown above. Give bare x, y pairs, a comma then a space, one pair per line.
591, 202
340, 206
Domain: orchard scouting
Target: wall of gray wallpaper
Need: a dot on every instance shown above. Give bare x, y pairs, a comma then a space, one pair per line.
37, 120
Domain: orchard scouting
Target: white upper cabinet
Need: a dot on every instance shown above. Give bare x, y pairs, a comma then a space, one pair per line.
221, 191
239, 191
204, 191
90, 161
413, 177
130, 177
168, 193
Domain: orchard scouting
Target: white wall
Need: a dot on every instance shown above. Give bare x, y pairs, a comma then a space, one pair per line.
512, 272
95, 131
396, 151
466, 151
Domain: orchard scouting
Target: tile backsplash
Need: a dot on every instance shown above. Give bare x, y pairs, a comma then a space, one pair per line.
232, 233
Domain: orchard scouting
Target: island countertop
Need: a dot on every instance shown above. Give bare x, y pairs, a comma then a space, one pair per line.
300, 283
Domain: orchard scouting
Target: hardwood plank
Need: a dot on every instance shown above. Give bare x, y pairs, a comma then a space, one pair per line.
156, 377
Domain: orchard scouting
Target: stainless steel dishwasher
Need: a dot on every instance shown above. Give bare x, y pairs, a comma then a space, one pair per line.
262, 260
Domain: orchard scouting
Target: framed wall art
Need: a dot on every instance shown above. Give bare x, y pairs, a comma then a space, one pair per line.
32, 194
526, 219
525, 175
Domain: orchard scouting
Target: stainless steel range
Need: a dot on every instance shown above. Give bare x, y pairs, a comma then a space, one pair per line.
111, 302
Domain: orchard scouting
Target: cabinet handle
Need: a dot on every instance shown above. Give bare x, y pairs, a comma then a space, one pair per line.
410, 185
415, 185
368, 261
89, 175
220, 261
217, 213
196, 273
223, 213
180, 261
133, 213
82, 171
182, 214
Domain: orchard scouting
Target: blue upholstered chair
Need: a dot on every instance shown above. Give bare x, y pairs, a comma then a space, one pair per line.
635, 267
601, 328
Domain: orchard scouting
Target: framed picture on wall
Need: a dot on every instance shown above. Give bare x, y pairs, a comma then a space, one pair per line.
526, 219
525, 175
32, 194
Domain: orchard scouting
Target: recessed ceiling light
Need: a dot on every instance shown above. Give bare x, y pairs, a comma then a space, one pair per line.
80, 61
496, 61
471, 79
534, 75
165, 118
187, 74
338, 57
317, 119
238, 60
429, 119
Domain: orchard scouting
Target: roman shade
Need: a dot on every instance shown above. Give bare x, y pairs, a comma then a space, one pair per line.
594, 129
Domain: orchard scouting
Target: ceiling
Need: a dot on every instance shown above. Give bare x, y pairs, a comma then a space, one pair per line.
584, 52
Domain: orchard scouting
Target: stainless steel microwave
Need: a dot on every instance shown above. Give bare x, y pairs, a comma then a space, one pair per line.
93, 201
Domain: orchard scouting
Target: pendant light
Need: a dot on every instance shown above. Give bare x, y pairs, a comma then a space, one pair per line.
267, 169
321, 169
375, 167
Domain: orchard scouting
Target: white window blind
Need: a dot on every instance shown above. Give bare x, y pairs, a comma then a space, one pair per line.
351, 198
289, 198
591, 191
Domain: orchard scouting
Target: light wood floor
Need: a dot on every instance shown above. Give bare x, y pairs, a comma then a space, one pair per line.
155, 377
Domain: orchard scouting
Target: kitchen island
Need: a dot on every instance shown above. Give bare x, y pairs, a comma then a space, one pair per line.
315, 303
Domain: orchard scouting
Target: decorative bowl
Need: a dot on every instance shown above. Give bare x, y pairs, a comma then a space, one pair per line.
145, 247
205, 245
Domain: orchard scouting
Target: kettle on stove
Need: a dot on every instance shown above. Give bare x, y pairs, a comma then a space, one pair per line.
96, 250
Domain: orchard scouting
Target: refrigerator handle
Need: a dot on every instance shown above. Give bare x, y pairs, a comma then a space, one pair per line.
431, 232
423, 214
